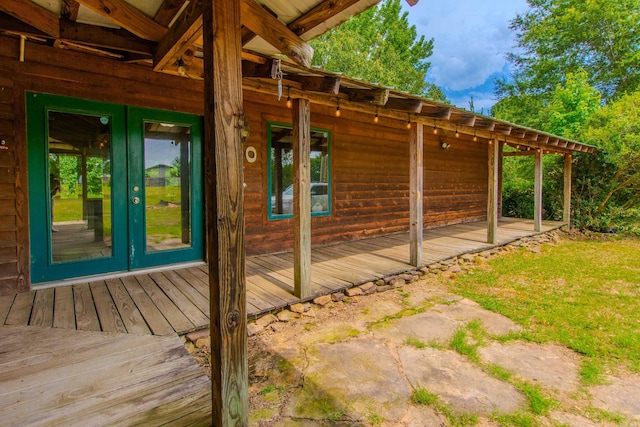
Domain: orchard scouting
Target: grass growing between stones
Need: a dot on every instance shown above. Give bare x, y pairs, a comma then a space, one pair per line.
422, 396
582, 294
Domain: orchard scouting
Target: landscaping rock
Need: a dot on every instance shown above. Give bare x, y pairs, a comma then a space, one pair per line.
286, 316
383, 288
337, 297
196, 335
620, 394
380, 282
455, 269
203, 342
297, 308
323, 300
368, 288
351, 292
266, 320
253, 329
190, 347
397, 283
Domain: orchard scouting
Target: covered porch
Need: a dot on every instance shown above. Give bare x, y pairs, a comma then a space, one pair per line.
176, 301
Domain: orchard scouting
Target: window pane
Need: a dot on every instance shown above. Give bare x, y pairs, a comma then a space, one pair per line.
281, 171
167, 186
79, 186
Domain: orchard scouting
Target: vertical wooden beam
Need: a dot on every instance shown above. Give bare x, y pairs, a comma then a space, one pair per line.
492, 196
416, 178
566, 212
301, 141
500, 162
225, 212
537, 192
185, 192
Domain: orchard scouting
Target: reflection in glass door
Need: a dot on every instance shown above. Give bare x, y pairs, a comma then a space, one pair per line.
79, 186
167, 186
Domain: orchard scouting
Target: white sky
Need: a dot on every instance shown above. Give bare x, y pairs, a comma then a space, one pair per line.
471, 40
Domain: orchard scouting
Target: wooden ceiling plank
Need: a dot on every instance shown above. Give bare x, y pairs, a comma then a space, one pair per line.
109, 38
32, 14
409, 105
128, 17
322, 84
319, 14
167, 11
274, 32
181, 36
373, 96
70, 10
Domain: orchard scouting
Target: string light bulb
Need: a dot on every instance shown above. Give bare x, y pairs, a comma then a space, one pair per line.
408, 121
376, 118
457, 133
435, 129
338, 107
181, 70
475, 137
289, 103
491, 139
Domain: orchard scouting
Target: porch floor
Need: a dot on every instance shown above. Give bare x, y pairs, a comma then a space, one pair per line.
52, 377
177, 301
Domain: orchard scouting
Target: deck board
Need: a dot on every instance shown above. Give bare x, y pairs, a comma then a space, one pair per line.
84, 378
176, 301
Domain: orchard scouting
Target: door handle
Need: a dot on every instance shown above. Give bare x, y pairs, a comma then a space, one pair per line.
135, 200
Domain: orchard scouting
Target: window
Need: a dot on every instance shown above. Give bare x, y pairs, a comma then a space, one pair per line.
280, 166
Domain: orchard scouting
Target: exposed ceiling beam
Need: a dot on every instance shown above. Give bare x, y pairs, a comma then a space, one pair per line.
13, 25
409, 105
436, 112
181, 36
322, 84
70, 10
128, 17
32, 14
167, 11
274, 32
109, 38
372, 96
253, 70
319, 14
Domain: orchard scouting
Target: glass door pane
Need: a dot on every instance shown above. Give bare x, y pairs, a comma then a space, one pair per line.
167, 187
79, 154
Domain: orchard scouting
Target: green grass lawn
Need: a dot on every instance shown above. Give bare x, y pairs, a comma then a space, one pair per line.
583, 294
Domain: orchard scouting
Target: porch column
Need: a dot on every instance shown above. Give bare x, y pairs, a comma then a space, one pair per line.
416, 178
492, 196
223, 118
537, 193
500, 165
301, 142
566, 212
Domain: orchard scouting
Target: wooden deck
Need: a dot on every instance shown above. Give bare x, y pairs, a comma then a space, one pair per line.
51, 377
177, 301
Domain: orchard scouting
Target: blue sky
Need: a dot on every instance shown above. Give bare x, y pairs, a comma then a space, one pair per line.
471, 40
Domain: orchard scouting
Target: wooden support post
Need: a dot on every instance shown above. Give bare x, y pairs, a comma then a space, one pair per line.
185, 191
416, 178
301, 141
566, 213
500, 162
492, 196
537, 193
225, 212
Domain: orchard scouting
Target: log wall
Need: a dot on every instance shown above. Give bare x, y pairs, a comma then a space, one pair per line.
370, 162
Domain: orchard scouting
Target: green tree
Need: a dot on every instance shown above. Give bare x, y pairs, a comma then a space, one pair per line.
379, 46
558, 37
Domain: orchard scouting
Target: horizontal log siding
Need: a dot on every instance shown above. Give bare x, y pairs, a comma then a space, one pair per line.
455, 180
370, 162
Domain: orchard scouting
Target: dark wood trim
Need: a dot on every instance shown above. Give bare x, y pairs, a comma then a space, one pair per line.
168, 11
108, 38
537, 192
225, 212
22, 199
301, 139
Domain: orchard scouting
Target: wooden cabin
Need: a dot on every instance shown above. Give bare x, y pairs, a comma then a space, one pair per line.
128, 126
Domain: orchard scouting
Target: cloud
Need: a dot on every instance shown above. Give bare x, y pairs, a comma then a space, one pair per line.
471, 39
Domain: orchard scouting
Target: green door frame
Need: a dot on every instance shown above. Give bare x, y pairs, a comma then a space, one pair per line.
127, 141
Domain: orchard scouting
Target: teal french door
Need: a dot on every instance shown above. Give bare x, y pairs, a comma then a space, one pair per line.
111, 188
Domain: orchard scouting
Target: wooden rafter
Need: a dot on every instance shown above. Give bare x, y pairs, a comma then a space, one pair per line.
436, 112
255, 70
274, 32
32, 14
167, 11
70, 10
128, 17
319, 14
409, 105
181, 36
10, 24
371, 96
322, 84
109, 38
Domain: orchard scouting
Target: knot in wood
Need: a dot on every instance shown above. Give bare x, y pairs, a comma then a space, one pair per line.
233, 319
